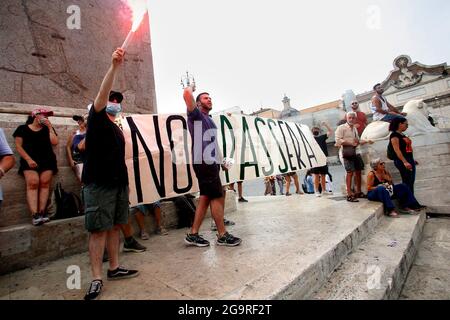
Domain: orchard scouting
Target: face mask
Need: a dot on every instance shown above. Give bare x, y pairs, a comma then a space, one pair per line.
113, 108
42, 121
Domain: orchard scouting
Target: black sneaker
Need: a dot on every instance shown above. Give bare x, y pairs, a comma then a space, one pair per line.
37, 220
133, 246
228, 240
194, 239
242, 200
122, 273
228, 222
94, 290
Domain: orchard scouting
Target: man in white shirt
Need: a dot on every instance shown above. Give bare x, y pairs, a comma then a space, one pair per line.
382, 110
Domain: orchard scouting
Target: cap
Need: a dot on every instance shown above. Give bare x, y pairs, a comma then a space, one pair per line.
77, 118
41, 110
115, 95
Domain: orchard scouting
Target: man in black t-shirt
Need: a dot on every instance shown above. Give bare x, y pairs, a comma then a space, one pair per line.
105, 178
319, 173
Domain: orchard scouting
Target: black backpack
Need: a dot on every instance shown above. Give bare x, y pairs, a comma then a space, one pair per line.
68, 204
185, 211
391, 155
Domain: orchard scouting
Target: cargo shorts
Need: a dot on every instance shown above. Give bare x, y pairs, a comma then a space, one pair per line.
105, 206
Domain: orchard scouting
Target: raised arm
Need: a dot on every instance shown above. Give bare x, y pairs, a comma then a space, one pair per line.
329, 131
103, 94
188, 96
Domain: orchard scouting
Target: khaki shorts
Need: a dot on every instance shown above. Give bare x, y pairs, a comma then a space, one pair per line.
105, 207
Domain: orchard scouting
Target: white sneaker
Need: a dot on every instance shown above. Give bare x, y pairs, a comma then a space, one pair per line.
318, 194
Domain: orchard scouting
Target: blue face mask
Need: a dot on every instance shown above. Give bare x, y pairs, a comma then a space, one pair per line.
113, 108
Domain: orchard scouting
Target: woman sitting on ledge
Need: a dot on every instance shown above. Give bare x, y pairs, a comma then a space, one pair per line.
380, 188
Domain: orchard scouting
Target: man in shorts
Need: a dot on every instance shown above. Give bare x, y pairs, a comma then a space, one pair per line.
105, 179
347, 135
205, 154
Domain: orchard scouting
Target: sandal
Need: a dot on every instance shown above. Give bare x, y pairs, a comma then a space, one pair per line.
361, 195
352, 199
410, 211
393, 214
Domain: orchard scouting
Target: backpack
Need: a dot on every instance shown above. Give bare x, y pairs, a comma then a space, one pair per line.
185, 211
391, 155
68, 204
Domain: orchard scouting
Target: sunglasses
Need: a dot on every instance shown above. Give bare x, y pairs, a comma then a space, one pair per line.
354, 103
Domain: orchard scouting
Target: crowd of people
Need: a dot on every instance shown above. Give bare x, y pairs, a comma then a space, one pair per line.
105, 194
380, 186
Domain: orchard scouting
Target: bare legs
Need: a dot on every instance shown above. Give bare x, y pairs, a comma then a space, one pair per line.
322, 182
97, 242
38, 189
217, 212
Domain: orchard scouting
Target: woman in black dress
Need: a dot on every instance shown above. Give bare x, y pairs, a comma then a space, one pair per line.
34, 142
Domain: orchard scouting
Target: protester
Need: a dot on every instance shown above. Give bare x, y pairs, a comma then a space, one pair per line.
7, 160
76, 146
400, 150
382, 110
380, 188
288, 177
361, 119
34, 143
329, 183
145, 209
309, 182
239, 184
105, 180
269, 184
347, 140
320, 172
130, 244
280, 181
206, 167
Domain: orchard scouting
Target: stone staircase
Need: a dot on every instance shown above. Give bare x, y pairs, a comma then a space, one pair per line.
23, 245
378, 267
299, 247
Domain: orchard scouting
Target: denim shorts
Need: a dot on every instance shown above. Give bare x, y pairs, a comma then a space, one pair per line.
146, 209
105, 206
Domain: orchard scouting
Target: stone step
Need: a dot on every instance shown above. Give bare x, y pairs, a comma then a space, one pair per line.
298, 274
24, 245
377, 269
290, 247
